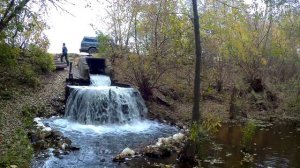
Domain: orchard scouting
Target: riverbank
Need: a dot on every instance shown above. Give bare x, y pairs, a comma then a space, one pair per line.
44, 101
167, 107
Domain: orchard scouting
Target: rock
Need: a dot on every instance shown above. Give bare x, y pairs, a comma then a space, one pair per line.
119, 158
67, 141
47, 129
56, 134
32, 135
178, 137
157, 152
73, 148
63, 146
44, 134
13, 166
40, 124
128, 152
56, 152
102, 160
37, 120
164, 141
41, 145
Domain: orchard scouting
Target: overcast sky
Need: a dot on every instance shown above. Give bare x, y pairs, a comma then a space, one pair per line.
70, 28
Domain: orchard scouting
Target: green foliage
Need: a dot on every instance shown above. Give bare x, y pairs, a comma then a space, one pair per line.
211, 123
199, 133
40, 61
20, 151
25, 66
105, 44
29, 112
292, 100
29, 77
248, 134
8, 55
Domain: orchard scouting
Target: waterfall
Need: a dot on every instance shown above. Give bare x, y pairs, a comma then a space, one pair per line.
100, 80
103, 104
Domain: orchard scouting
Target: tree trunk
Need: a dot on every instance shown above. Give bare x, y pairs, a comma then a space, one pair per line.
196, 111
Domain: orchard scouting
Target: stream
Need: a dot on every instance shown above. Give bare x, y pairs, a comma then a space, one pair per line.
99, 144
102, 120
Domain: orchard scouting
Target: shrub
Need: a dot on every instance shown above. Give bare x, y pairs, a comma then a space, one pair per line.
41, 61
8, 55
20, 151
28, 76
292, 100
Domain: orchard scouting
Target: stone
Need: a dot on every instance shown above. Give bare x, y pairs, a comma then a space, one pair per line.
47, 129
164, 141
63, 146
178, 137
128, 152
157, 152
73, 148
56, 134
32, 135
56, 152
41, 145
37, 119
44, 134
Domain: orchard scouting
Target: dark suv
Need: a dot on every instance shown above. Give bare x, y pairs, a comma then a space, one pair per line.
89, 45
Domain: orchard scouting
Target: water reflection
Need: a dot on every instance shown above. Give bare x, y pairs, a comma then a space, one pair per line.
277, 146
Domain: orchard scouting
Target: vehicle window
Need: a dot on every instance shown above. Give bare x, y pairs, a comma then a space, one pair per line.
90, 40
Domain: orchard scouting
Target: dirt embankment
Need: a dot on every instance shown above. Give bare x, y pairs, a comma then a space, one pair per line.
49, 97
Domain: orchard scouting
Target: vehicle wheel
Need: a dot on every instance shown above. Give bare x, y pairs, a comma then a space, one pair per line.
92, 50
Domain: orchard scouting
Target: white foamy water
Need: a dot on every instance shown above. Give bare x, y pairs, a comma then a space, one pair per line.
102, 120
100, 105
133, 127
100, 80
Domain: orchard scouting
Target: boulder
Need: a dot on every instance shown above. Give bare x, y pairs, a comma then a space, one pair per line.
157, 152
127, 152
178, 137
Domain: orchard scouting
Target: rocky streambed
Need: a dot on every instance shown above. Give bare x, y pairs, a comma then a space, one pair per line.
98, 145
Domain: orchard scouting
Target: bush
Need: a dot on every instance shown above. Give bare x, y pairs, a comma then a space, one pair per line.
41, 61
20, 151
25, 66
29, 76
8, 55
292, 100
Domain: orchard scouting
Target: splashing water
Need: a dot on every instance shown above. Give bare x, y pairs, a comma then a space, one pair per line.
102, 120
100, 80
104, 105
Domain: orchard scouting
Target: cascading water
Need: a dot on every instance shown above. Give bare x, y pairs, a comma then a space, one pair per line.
102, 120
104, 104
100, 80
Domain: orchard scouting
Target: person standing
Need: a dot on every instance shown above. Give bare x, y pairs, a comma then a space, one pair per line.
64, 54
